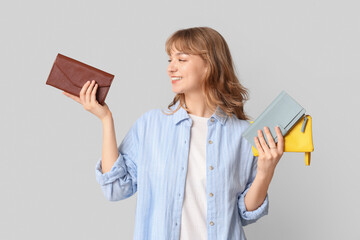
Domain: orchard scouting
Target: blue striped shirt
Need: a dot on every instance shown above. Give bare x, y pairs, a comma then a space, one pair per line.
153, 160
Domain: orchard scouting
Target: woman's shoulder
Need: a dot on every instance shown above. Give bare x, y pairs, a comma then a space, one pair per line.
240, 123
154, 114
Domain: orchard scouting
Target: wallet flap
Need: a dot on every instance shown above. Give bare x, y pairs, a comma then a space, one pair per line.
66, 83
79, 73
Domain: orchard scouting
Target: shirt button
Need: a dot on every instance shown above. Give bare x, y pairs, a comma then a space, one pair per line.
211, 167
211, 194
210, 141
212, 120
212, 223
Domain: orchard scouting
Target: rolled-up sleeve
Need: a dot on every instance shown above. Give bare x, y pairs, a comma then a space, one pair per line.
248, 217
121, 181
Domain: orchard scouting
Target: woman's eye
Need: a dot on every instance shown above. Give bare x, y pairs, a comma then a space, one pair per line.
180, 60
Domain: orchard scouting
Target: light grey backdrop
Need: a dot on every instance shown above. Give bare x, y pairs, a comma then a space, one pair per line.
50, 144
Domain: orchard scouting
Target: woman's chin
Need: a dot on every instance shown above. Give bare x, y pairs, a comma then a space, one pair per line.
177, 91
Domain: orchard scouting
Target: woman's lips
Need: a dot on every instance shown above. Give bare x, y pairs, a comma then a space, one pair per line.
175, 79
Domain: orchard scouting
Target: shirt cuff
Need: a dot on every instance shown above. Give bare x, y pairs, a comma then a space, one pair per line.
254, 215
118, 170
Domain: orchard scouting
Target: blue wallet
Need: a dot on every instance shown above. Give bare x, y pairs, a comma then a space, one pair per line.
283, 111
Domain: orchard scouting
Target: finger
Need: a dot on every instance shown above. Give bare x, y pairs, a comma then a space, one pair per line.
88, 91
258, 146
270, 138
281, 143
83, 90
264, 145
93, 94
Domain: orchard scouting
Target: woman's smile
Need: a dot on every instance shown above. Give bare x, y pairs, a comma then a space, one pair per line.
175, 79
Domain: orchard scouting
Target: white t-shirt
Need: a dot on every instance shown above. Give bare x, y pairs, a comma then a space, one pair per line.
193, 217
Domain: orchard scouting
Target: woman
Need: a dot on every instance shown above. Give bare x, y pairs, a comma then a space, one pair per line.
196, 177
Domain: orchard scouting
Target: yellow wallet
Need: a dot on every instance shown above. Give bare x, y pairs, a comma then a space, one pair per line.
297, 140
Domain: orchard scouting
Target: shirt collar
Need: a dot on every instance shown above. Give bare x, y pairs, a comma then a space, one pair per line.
182, 114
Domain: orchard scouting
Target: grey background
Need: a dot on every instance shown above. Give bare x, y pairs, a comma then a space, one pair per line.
50, 144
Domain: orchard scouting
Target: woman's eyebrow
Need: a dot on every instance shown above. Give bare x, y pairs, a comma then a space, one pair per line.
181, 53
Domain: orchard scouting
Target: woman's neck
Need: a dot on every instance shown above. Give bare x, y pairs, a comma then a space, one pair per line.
197, 106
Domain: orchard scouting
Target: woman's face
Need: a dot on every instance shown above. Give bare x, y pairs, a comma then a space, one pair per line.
190, 68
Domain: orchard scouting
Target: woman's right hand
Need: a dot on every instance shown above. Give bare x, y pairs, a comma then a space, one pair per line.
89, 102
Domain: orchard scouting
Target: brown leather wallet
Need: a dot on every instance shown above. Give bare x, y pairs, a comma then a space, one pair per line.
70, 75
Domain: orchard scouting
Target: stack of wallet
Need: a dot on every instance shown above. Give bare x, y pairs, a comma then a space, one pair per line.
294, 124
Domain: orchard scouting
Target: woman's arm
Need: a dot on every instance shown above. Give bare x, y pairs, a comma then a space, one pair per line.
269, 157
87, 97
257, 192
116, 170
109, 149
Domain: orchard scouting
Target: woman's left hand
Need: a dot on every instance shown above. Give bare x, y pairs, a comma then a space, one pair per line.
269, 156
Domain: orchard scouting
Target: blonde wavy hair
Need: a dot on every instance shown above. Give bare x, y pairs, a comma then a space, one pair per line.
221, 86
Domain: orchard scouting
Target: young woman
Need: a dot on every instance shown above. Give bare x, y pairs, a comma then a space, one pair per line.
196, 177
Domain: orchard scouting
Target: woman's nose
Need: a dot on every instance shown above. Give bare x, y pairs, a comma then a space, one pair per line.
172, 67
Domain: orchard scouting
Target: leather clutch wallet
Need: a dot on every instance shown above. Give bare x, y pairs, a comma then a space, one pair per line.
283, 111
70, 76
